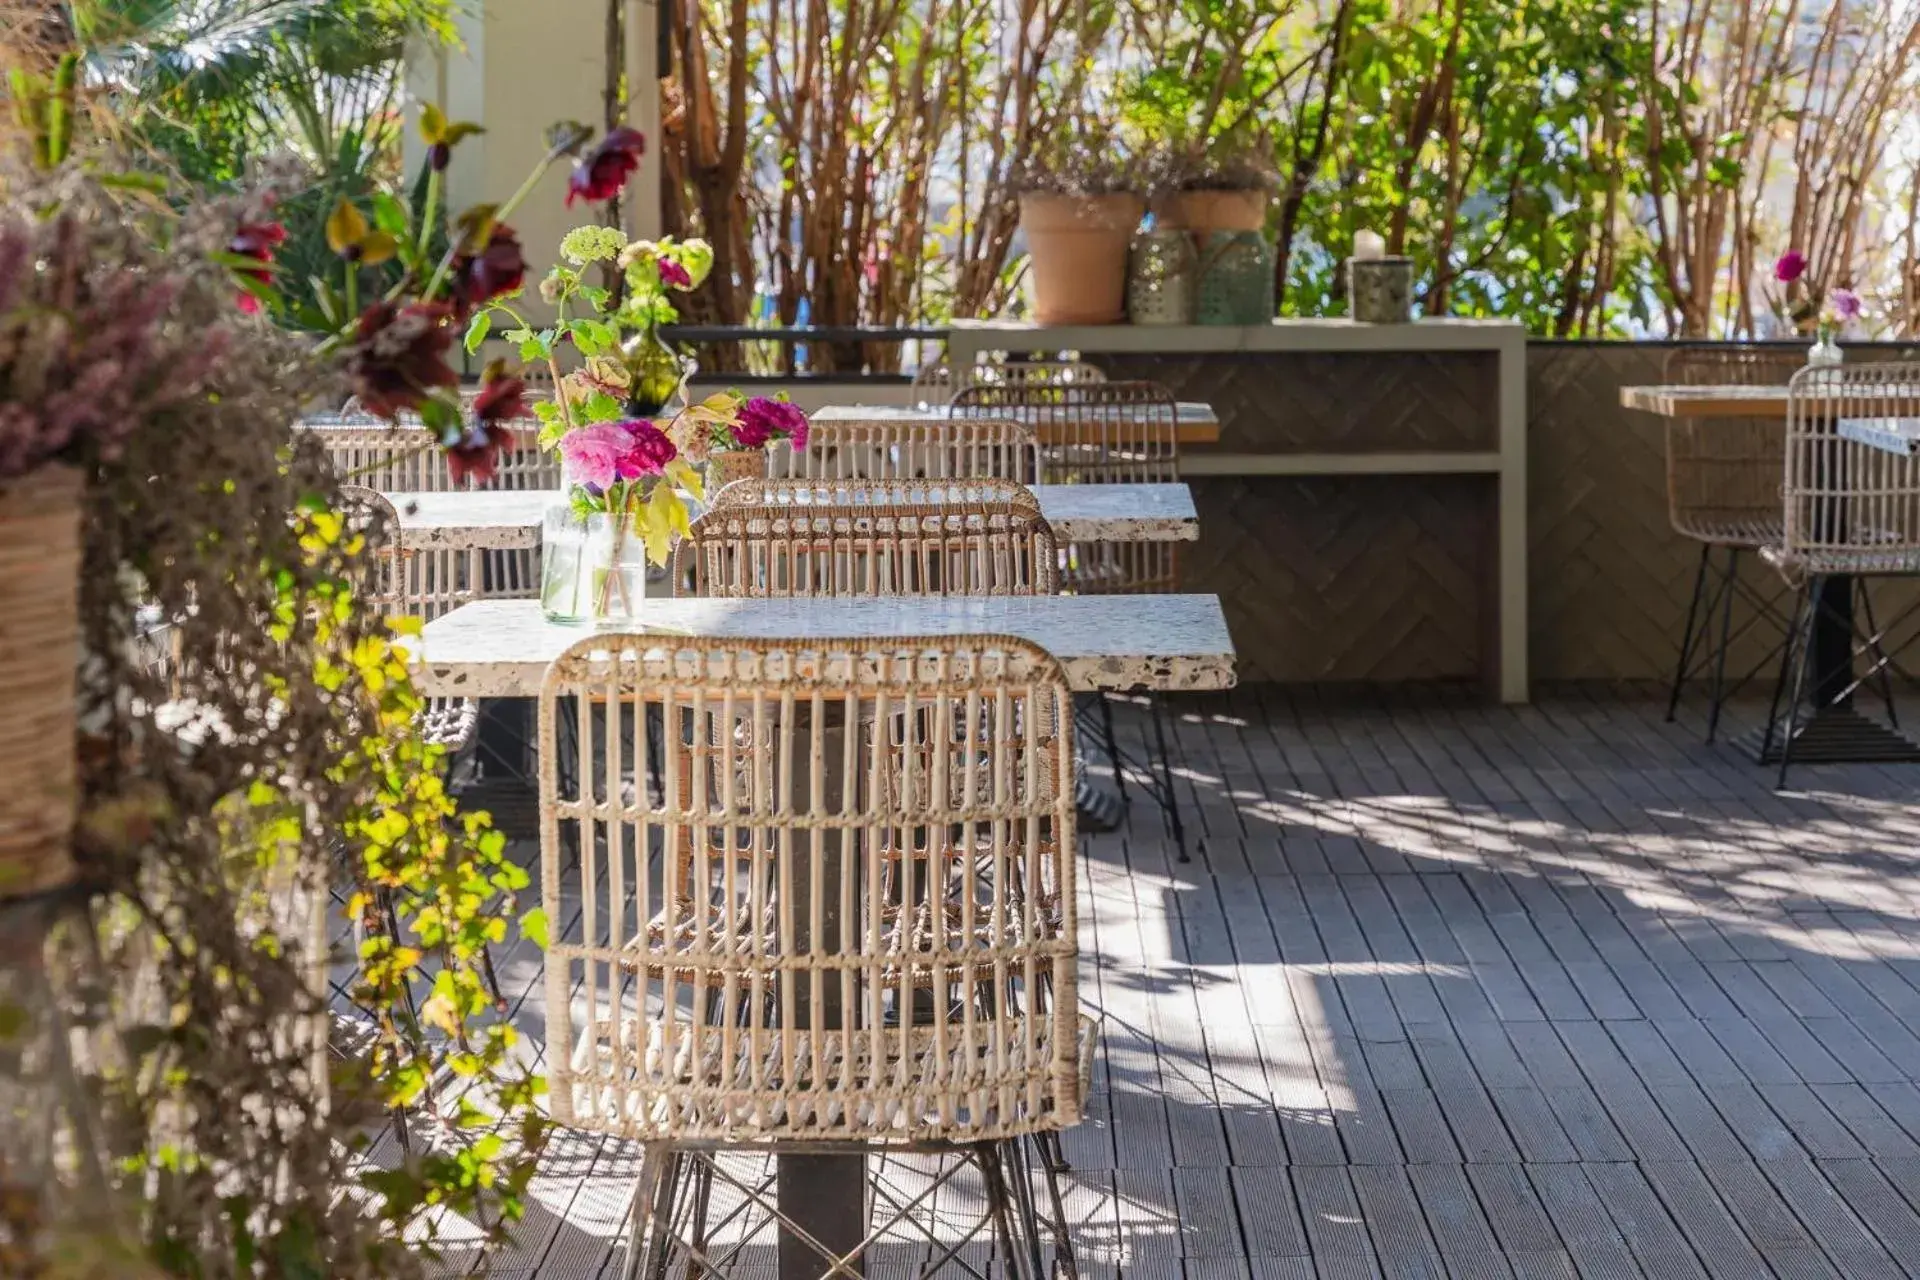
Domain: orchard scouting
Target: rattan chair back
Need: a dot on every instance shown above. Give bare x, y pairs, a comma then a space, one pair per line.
896, 449
1723, 474
1851, 507
764, 988
936, 384
870, 493
1099, 433
787, 550
400, 459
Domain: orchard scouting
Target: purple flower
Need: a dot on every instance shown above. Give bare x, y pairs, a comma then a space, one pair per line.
762, 420
1846, 304
1790, 267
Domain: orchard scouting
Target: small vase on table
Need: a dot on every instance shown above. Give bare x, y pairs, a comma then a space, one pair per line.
1825, 353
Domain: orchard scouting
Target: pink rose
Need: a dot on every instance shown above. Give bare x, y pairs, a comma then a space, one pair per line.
1791, 266
593, 454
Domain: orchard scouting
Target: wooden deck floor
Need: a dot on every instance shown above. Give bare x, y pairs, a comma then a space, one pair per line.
1472, 992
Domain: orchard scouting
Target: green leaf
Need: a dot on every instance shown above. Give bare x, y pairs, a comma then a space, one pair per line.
533, 927
389, 215
477, 330
533, 349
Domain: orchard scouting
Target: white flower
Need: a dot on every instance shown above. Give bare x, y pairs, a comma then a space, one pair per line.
591, 243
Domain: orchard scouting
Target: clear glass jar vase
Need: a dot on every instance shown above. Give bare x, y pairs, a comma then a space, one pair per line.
593, 568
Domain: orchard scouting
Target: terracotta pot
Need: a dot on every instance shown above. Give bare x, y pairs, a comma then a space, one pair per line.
1204, 212
1079, 247
39, 651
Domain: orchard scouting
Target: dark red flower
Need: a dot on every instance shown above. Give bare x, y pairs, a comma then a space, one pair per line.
672, 273
256, 240
439, 156
604, 170
502, 398
399, 356
763, 419
499, 268
476, 456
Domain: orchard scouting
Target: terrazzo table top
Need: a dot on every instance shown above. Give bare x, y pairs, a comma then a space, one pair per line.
502, 648
508, 519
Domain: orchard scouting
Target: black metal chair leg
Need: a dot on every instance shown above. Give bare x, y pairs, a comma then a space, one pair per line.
1687, 637
1804, 661
1720, 650
1882, 664
1787, 653
1169, 798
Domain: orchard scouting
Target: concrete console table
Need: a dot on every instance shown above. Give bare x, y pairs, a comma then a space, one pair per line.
1363, 515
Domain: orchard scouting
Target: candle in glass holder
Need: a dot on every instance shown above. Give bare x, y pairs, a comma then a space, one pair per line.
1367, 245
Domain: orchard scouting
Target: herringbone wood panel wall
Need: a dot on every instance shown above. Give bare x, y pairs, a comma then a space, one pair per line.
1361, 578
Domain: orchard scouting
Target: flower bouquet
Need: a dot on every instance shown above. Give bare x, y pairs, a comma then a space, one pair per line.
1799, 308
629, 485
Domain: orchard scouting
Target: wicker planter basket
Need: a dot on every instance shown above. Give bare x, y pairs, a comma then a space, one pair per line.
39, 650
724, 466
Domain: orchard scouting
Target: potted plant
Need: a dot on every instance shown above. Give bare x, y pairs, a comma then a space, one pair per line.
1080, 203
1225, 184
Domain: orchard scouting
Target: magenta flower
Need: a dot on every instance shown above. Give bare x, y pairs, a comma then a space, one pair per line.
1846, 304
648, 450
672, 273
1790, 267
763, 420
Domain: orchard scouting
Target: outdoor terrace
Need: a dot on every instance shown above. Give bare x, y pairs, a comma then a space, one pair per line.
1459, 990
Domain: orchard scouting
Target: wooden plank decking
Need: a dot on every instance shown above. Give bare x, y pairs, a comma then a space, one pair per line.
1464, 991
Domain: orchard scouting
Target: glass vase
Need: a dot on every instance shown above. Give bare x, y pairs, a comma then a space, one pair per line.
594, 568
1825, 353
656, 370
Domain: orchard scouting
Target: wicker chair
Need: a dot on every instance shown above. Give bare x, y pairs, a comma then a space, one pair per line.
871, 493
935, 384
398, 459
904, 449
774, 999
1105, 433
1723, 491
979, 547
1851, 514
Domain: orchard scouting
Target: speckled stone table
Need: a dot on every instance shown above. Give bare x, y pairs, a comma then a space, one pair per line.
1083, 513
501, 648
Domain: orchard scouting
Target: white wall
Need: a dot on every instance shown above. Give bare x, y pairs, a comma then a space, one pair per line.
522, 65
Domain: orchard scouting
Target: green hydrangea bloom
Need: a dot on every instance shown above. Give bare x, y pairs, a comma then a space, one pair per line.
592, 244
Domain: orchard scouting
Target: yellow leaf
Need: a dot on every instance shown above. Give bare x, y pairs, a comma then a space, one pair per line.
377, 248
346, 227
405, 626
656, 525
687, 477
433, 125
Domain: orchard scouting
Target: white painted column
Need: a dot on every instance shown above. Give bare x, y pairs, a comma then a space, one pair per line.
521, 67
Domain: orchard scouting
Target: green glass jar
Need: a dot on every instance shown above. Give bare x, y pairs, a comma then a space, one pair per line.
657, 371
